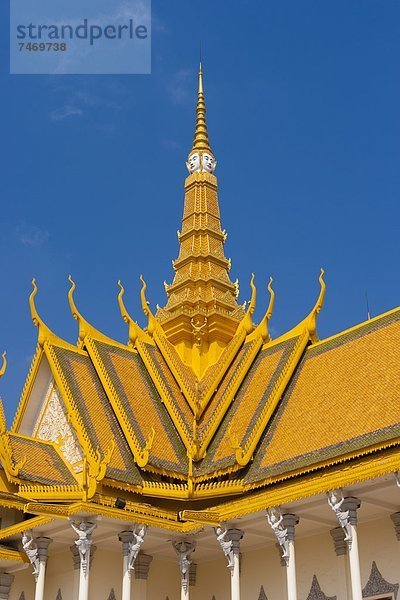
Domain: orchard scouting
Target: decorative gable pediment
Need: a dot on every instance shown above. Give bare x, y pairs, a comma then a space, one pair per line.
316, 593
262, 595
378, 585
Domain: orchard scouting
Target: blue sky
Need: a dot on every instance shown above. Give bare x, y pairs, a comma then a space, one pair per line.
303, 111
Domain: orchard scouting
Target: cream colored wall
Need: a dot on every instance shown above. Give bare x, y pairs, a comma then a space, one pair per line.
314, 555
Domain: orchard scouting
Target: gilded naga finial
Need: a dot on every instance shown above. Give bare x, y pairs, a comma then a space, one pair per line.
44, 332
201, 157
262, 328
312, 318
75, 312
134, 330
247, 321
146, 307
4, 365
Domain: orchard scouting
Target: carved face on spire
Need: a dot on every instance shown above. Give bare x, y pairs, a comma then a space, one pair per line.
193, 163
208, 162
201, 162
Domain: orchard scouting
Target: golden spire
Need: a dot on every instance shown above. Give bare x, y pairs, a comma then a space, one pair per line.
200, 141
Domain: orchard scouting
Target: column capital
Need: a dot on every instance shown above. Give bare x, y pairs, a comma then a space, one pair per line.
289, 523
192, 574
352, 504
338, 537
235, 535
142, 565
126, 537
76, 559
6, 581
43, 544
396, 522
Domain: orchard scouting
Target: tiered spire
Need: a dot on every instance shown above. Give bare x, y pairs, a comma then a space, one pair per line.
202, 309
200, 141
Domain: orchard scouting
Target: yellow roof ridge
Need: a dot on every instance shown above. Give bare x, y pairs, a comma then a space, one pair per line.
356, 327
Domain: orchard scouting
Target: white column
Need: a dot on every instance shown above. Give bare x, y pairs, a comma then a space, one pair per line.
283, 527
5, 585
126, 537
346, 513
36, 550
76, 560
289, 522
184, 550
340, 545
229, 540
142, 567
131, 543
84, 530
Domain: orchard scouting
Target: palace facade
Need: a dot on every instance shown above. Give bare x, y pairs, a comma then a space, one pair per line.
202, 458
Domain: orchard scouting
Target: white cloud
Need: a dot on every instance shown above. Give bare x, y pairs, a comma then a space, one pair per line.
68, 110
30, 235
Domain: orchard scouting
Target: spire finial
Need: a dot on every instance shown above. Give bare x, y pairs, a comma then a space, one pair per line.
201, 142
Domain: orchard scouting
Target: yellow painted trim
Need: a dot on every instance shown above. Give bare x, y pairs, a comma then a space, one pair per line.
355, 327
313, 484
20, 527
13, 555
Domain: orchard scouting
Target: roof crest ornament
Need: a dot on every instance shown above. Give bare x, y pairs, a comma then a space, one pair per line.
309, 324
146, 307
4, 365
44, 333
85, 328
135, 331
247, 321
312, 318
262, 327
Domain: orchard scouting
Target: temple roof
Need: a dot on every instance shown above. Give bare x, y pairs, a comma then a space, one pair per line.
208, 413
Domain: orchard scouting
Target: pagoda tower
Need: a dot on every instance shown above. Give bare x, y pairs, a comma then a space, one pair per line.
202, 312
